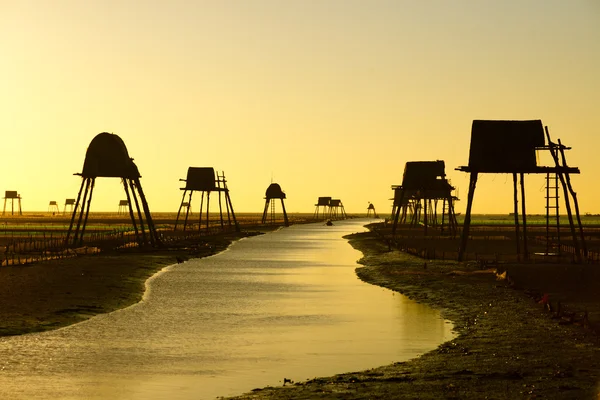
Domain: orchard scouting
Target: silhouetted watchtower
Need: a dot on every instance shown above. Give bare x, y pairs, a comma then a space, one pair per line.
322, 205
424, 183
69, 203
53, 207
204, 180
274, 192
12, 195
107, 157
509, 147
371, 210
123, 207
336, 209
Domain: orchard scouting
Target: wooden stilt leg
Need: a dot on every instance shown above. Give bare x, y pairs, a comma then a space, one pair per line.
524, 213
74, 212
180, 206
87, 211
264, 216
467, 223
285, 217
135, 228
516, 213
82, 211
395, 225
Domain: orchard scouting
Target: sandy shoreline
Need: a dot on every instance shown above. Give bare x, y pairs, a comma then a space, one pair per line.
508, 345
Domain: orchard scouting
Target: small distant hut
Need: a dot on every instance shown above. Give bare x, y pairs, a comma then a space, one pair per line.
205, 181
509, 147
371, 211
274, 192
107, 157
322, 206
53, 207
336, 209
70, 203
12, 195
123, 207
424, 184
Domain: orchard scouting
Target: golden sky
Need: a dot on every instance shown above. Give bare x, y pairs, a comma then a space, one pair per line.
324, 97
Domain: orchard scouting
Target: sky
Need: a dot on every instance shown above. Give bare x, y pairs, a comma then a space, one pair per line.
324, 97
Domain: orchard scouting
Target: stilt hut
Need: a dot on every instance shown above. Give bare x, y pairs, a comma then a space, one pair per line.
371, 211
323, 206
336, 209
69, 203
509, 147
274, 192
12, 195
53, 207
205, 181
424, 184
107, 157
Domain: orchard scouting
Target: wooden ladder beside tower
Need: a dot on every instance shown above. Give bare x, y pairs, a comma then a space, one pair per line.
552, 214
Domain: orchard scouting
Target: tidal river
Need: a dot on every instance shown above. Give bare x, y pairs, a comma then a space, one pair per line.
286, 304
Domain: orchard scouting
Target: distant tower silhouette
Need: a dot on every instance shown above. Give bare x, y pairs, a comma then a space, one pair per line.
53, 207
123, 207
336, 209
69, 203
509, 147
274, 192
12, 195
204, 180
322, 203
371, 210
107, 157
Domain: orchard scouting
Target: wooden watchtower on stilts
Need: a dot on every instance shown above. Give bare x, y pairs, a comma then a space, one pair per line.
371, 210
12, 195
322, 205
424, 184
274, 192
123, 207
509, 147
204, 180
336, 209
69, 203
53, 207
107, 157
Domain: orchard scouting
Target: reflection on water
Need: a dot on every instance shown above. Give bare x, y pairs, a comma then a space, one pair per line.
285, 304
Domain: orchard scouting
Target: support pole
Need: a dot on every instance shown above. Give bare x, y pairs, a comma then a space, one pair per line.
207, 208
87, 211
180, 206
395, 225
516, 213
83, 202
575, 202
74, 212
264, 216
524, 212
135, 228
285, 218
154, 239
467, 223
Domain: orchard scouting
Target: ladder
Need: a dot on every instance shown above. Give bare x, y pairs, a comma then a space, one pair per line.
552, 213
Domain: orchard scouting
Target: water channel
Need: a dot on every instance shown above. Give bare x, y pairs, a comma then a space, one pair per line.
286, 304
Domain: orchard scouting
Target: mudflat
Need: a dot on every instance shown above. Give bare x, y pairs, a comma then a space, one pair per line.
56, 293
511, 343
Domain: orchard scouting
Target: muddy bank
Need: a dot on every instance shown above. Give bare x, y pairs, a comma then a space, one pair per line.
57, 293
508, 346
